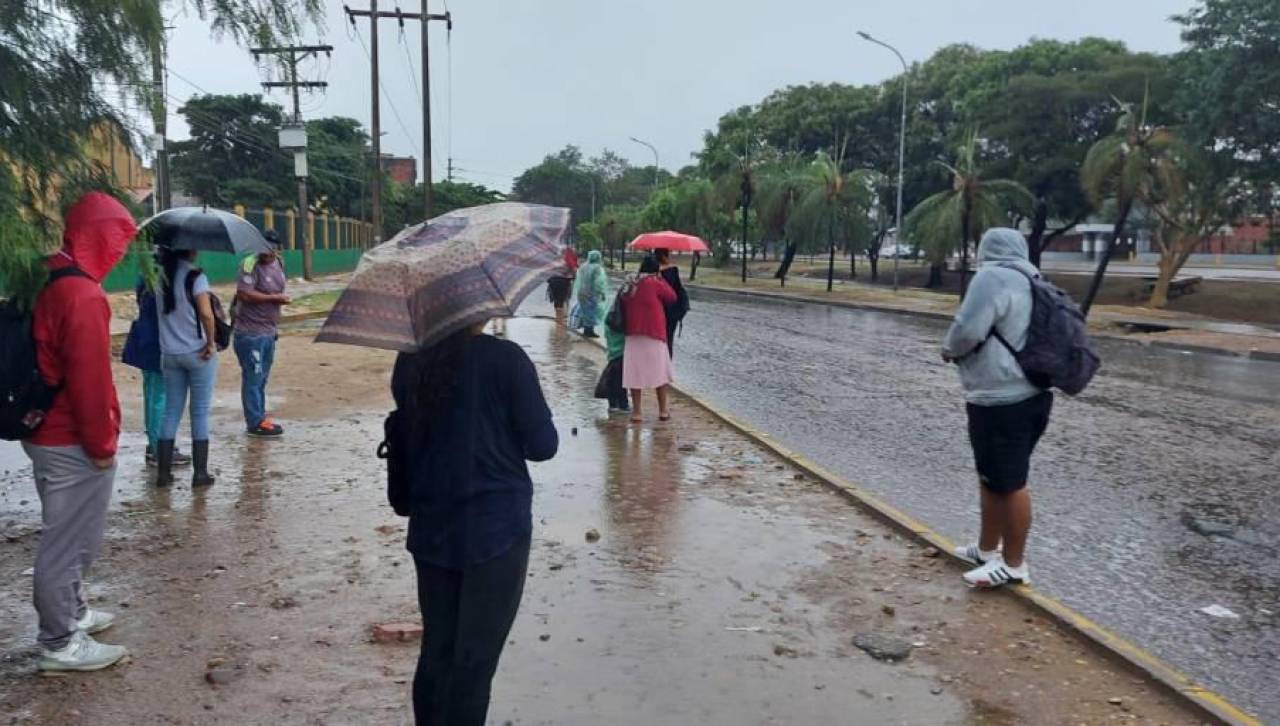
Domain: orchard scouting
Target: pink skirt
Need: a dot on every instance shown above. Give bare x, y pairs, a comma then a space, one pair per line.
646, 363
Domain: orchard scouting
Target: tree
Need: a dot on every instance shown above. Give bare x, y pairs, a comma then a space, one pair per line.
66, 61
1229, 81
782, 184
1191, 208
232, 155
339, 158
835, 200
961, 214
1134, 164
560, 180
1044, 104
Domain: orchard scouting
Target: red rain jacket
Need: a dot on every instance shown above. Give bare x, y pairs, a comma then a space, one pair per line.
72, 329
643, 312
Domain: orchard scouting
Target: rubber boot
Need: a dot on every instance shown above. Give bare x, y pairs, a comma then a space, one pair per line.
200, 477
164, 463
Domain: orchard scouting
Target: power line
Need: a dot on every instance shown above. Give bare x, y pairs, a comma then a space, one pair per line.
382, 91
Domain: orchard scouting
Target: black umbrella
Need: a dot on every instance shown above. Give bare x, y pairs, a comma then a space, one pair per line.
202, 228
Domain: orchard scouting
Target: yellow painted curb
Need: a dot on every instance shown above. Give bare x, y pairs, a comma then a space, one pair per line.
1198, 697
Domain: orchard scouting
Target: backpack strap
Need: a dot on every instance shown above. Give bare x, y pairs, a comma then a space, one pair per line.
69, 271
190, 285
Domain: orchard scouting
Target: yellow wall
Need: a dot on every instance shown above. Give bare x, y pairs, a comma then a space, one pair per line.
109, 149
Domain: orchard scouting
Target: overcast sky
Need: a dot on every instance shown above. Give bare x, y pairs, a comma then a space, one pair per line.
530, 76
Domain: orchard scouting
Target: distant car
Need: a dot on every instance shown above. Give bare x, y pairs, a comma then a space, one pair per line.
904, 252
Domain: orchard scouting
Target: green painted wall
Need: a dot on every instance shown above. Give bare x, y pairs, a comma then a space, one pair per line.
221, 267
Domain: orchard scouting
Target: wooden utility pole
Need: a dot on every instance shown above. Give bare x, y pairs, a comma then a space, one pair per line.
424, 18
290, 56
162, 196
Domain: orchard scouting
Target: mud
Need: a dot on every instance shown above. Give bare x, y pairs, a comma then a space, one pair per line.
724, 588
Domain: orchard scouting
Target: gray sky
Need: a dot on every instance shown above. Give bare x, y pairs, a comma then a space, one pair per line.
530, 76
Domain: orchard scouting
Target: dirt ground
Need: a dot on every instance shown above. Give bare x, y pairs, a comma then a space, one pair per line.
726, 588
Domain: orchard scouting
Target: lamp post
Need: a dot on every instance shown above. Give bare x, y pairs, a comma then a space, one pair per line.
902, 149
655, 158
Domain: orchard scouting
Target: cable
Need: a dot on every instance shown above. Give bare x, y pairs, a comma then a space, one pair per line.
381, 90
412, 75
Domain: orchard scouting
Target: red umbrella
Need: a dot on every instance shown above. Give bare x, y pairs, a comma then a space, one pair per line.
674, 241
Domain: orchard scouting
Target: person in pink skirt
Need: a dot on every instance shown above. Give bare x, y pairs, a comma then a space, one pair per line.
647, 363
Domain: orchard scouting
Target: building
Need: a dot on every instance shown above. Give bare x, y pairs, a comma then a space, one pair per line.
401, 169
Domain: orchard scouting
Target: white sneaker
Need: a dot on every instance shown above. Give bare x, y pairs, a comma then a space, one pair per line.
975, 555
95, 621
995, 573
83, 653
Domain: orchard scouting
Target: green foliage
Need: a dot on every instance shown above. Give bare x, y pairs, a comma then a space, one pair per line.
233, 155
833, 207
951, 219
65, 61
1229, 84
589, 236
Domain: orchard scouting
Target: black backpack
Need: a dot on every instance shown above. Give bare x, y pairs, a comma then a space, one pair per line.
617, 317
1058, 352
25, 399
222, 328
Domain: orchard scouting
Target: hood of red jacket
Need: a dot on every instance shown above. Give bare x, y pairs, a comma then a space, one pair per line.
97, 233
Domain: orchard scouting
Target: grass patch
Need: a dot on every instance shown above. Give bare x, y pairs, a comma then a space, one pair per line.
315, 302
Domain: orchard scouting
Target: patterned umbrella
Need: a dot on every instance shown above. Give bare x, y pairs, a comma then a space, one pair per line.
457, 270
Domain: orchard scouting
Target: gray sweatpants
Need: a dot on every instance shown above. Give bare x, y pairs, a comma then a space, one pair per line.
74, 495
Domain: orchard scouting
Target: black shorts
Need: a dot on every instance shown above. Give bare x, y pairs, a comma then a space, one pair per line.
558, 290
1003, 438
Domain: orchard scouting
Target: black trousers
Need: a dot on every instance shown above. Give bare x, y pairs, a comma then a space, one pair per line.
467, 615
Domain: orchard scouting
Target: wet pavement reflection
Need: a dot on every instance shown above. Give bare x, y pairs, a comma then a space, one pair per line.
1155, 490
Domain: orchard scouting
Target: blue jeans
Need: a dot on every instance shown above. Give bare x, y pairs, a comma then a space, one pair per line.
256, 354
183, 373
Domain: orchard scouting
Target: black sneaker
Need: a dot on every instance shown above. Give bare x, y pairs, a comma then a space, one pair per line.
267, 430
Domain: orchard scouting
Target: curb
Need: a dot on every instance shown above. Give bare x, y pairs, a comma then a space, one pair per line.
1201, 699
928, 314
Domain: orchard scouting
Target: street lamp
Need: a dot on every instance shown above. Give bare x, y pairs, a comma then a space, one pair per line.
902, 149
655, 158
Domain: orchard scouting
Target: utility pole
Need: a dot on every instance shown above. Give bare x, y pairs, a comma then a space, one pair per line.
399, 15
162, 197
296, 138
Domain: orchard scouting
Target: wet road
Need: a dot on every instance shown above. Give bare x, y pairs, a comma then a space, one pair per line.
724, 587
1156, 490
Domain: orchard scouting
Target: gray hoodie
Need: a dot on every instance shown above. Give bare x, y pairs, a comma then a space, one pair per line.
999, 297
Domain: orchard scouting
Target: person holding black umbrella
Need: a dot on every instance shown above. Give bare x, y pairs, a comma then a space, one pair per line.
189, 360
192, 326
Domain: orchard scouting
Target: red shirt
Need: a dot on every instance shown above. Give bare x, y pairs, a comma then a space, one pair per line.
72, 329
643, 309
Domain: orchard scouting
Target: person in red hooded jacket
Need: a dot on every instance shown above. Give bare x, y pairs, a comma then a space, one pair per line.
73, 452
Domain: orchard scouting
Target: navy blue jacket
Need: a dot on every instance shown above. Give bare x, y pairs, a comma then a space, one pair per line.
471, 494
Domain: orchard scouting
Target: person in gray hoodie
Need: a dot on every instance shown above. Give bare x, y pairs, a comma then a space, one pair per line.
1007, 413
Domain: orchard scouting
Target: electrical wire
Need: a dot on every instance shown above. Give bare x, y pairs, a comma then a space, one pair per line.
381, 90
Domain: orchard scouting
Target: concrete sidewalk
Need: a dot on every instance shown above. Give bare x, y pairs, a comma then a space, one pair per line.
725, 586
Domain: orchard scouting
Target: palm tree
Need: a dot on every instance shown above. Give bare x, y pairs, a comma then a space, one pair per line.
1137, 163
781, 187
834, 200
962, 213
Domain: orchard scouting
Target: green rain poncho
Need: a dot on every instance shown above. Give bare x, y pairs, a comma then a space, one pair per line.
591, 290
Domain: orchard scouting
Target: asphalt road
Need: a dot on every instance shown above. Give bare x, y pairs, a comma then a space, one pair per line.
1155, 490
